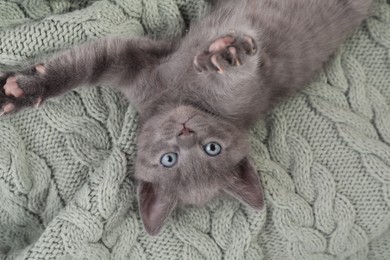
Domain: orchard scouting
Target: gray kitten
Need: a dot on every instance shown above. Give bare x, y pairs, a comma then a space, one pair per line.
198, 96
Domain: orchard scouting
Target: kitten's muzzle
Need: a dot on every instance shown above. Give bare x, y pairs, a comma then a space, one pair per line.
185, 131
186, 137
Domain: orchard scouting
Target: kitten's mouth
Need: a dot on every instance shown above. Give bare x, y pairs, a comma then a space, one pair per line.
185, 130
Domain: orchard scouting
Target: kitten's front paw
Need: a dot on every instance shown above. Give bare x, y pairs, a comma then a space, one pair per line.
18, 90
226, 51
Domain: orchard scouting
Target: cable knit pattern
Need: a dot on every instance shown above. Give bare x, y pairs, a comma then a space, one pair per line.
66, 170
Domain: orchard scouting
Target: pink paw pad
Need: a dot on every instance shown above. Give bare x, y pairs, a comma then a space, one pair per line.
224, 52
221, 44
13, 97
12, 88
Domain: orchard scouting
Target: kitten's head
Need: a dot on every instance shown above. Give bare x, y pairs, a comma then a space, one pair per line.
186, 156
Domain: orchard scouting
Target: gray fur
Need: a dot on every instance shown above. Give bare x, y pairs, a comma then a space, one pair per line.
291, 40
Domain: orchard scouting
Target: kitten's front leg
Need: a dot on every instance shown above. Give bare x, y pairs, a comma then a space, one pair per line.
224, 52
113, 61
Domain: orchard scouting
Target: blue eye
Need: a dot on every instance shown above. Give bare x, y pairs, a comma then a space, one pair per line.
212, 149
169, 160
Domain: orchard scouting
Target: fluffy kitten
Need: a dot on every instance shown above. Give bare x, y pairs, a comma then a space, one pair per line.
198, 96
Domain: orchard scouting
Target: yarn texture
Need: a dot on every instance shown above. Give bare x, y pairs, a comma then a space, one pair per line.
67, 189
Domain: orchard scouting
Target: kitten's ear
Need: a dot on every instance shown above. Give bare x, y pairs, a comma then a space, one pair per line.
247, 187
154, 208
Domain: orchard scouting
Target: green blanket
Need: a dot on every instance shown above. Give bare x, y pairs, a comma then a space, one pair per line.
66, 170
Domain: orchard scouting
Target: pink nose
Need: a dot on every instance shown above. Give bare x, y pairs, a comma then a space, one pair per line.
185, 131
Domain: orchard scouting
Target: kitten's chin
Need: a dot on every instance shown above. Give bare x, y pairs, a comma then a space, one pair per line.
198, 197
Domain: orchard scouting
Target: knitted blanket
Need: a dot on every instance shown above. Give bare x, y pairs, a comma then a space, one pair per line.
66, 169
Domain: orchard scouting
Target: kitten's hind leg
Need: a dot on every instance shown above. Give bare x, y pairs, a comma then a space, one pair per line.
224, 52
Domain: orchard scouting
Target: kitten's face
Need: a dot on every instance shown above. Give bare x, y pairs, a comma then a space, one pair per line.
186, 156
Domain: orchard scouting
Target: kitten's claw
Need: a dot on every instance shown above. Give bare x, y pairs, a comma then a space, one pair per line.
7, 109
233, 53
38, 103
40, 69
214, 60
250, 45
